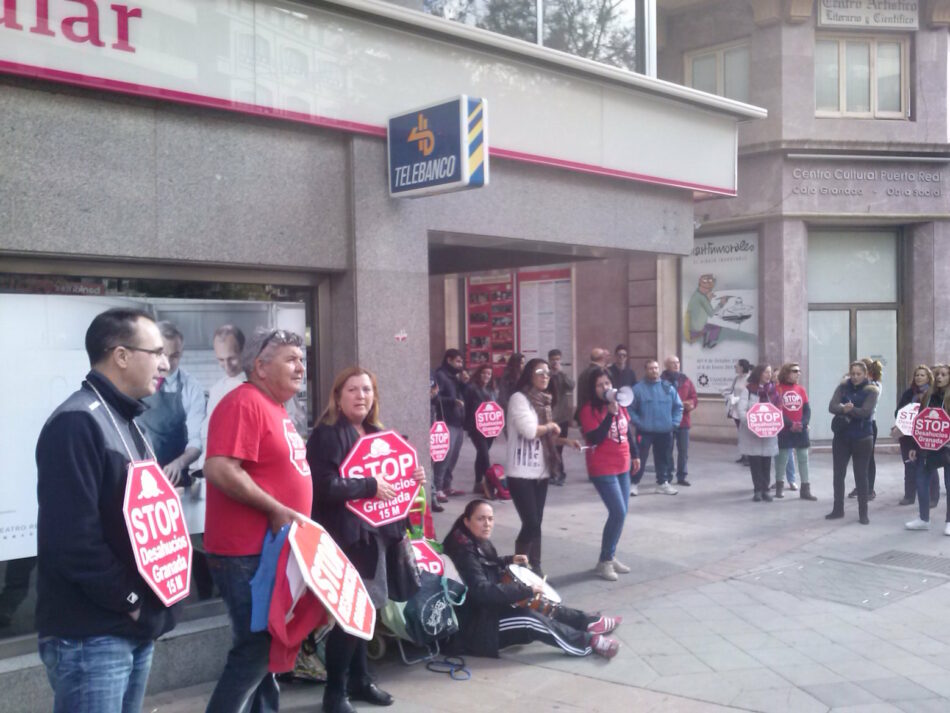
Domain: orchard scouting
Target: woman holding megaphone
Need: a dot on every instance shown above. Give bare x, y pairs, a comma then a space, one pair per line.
611, 453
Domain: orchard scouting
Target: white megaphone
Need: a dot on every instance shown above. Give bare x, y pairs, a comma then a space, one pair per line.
622, 396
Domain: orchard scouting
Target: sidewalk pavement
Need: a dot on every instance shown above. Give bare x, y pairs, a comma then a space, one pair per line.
731, 605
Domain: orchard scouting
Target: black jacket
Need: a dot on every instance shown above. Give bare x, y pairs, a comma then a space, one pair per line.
327, 448
488, 598
623, 377
475, 396
87, 581
450, 392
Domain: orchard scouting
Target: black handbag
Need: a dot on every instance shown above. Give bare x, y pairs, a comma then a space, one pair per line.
402, 573
430, 614
839, 423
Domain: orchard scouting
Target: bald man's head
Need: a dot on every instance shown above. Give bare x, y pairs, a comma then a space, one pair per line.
599, 356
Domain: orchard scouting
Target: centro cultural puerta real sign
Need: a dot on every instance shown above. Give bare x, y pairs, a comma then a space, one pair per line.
439, 148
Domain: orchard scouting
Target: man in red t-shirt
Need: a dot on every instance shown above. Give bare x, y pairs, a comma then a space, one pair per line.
258, 478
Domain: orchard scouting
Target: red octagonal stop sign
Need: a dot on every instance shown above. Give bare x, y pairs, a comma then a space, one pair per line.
387, 454
438, 441
490, 419
157, 530
427, 558
932, 429
765, 419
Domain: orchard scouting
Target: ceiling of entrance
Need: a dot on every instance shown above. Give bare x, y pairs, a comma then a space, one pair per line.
452, 253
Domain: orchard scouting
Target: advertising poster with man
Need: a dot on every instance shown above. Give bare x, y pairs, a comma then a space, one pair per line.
719, 295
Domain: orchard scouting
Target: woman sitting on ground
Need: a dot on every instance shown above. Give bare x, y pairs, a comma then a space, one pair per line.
494, 617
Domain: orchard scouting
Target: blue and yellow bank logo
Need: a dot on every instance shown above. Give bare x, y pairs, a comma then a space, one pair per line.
439, 148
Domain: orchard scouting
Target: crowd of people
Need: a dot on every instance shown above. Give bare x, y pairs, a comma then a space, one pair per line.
97, 619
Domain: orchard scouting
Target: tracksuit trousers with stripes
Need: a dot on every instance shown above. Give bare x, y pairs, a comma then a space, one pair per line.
567, 629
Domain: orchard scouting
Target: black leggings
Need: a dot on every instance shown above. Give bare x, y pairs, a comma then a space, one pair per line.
529, 496
872, 466
345, 659
858, 451
761, 469
482, 459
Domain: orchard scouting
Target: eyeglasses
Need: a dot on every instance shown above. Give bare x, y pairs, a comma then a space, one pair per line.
156, 352
796, 371
542, 372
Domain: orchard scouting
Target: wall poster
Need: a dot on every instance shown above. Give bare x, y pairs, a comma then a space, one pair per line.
545, 314
719, 298
490, 320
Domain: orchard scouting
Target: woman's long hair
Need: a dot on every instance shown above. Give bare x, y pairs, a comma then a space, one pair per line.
930, 378
875, 369
783, 373
332, 412
755, 378
477, 374
524, 381
592, 398
925, 401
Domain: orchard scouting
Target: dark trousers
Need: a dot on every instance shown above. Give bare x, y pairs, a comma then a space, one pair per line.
859, 453
529, 496
760, 467
910, 472
924, 478
680, 439
566, 629
872, 466
661, 443
563, 425
345, 662
482, 459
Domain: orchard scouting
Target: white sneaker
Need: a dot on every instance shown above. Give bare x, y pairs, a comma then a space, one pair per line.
946, 529
917, 524
666, 489
605, 570
634, 490
619, 567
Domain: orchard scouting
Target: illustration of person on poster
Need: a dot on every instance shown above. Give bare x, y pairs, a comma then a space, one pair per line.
720, 314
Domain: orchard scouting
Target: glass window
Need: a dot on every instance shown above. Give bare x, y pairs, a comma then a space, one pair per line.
864, 77
852, 267
56, 311
858, 66
826, 75
721, 70
829, 353
603, 32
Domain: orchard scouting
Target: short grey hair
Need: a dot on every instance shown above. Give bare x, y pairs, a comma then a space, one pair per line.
170, 331
264, 342
229, 330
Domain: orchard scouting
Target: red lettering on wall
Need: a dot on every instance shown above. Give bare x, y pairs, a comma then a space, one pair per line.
91, 21
42, 19
122, 15
9, 15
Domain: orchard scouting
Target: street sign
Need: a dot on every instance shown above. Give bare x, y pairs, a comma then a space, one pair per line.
765, 419
331, 576
438, 441
490, 419
427, 558
932, 429
439, 148
905, 419
157, 530
386, 454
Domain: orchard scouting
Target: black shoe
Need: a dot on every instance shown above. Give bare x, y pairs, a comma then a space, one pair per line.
853, 493
740, 459
685, 483
337, 703
864, 520
872, 495
436, 507
371, 693
835, 515
557, 481
906, 501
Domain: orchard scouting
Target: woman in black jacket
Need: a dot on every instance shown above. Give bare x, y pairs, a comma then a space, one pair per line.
480, 389
920, 385
853, 406
493, 617
352, 412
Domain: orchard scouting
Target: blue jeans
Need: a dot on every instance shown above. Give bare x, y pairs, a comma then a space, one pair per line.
97, 674
614, 490
660, 442
442, 470
245, 685
679, 438
923, 477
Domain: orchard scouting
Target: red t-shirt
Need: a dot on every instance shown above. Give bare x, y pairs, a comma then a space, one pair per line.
249, 425
612, 455
794, 399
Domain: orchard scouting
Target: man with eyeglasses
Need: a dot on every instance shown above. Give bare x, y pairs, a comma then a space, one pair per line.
620, 372
175, 412
258, 480
96, 617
